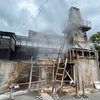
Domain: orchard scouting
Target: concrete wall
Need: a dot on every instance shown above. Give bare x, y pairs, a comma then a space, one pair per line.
88, 70
10, 71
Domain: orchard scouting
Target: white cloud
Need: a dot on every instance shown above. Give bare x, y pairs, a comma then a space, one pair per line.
53, 16
31, 7
3, 22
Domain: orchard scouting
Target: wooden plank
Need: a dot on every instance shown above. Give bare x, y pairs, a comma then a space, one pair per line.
30, 80
69, 76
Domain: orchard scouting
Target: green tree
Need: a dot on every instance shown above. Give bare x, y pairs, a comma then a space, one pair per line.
95, 39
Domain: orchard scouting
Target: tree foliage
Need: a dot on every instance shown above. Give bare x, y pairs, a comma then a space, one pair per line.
95, 39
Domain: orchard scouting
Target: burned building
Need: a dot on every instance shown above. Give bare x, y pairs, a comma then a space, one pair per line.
22, 48
53, 57
86, 65
7, 45
19, 52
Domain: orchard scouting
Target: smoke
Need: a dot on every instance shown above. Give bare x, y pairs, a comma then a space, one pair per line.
73, 24
46, 39
72, 28
48, 43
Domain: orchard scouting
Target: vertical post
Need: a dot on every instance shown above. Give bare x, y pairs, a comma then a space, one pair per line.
84, 95
11, 90
76, 88
53, 76
9, 50
53, 79
83, 87
96, 56
77, 70
39, 88
39, 91
55, 86
30, 74
70, 56
77, 96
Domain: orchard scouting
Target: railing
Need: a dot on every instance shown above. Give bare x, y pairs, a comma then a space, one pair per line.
87, 23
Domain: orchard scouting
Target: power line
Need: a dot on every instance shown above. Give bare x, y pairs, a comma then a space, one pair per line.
33, 14
21, 13
38, 14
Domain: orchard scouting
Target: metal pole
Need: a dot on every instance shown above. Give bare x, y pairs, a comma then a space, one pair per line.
30, 74
39, 91
77, 96
55, 96
11, 90
76, 88
55, 86
84, 95
39, 88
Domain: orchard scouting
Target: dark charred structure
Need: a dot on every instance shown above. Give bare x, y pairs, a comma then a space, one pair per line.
7, 45
55, 61
22, 48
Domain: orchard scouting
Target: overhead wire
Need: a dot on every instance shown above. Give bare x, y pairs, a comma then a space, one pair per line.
21, 13
38, 14
33, 14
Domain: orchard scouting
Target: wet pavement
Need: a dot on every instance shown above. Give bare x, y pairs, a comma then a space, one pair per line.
32, 96
90, 97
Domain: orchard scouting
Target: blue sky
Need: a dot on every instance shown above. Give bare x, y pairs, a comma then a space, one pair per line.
15, 15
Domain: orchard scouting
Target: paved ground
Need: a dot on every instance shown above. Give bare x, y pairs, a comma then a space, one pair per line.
90, 97
32, 96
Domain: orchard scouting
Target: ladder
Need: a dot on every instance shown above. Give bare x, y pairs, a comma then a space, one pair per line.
60, 72
32, 73
61, 66
61, 47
